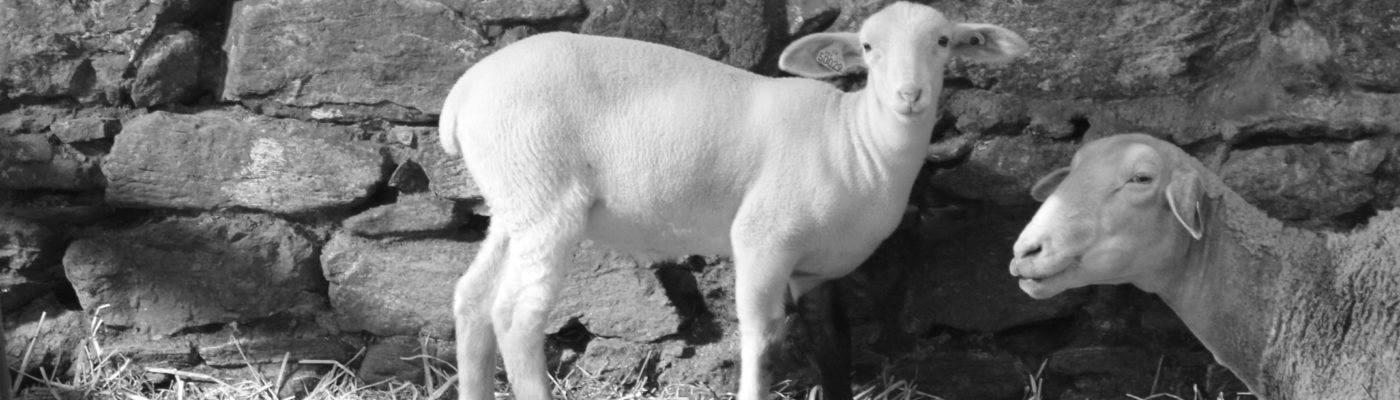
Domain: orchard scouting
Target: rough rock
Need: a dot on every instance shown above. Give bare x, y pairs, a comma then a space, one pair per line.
184, 272
1318, 182
29, 261
615, 297
25, 149
408, 178
969, 374
55, 341
619, 361
1002, 169
1101, 360
400, 358
504, 11
395, 288
447, 174
31, 162
232, 352
733, 31
55, 48
1093, 49
413, 215
1365, 37
397, 56
984, 112
807, 16
169, 72
85, 129
217, 160
964, 284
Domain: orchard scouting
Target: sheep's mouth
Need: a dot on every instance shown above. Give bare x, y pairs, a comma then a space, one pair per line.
1043, 284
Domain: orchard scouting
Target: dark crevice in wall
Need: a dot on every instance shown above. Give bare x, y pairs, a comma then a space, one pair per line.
1285, 12
1301, 133
1378, 88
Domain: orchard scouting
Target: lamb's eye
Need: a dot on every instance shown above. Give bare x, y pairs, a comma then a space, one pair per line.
866, 46
942, 41
1140, 179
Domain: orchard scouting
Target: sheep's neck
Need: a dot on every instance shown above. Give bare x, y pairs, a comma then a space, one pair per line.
884, 142
1226, 291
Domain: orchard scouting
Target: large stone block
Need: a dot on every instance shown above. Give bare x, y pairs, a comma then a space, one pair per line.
395, 288
1317, 182
734, 32
216, 160
180, 273
395, 56
405, 287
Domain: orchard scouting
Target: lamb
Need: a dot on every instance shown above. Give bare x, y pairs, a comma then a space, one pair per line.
652, 150
1295, 314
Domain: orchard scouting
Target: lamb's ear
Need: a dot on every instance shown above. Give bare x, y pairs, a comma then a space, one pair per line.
823, 55
1047, 185
987, 43
1184, 198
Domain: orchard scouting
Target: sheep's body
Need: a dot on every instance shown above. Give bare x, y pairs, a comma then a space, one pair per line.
651, 150
1295, 314
1311, 316
665, 168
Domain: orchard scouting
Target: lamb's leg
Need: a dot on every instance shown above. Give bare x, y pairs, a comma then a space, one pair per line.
471, 305
825, 321
535, 269
760, 284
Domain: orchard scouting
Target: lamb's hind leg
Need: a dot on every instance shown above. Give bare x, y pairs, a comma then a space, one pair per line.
471, 305
535, 269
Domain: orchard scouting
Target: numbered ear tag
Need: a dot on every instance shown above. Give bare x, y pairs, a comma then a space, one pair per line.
830, 58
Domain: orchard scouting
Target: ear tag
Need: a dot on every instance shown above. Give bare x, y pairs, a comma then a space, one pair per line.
831, 58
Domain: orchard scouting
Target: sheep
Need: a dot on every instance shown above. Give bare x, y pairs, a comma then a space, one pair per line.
1294, 314
651, 150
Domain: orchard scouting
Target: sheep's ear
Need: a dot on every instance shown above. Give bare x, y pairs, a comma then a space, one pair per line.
1047, 185
1184, 198
987, 43
823, 55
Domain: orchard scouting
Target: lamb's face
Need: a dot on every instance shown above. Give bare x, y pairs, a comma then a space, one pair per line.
1111, 217
905, 47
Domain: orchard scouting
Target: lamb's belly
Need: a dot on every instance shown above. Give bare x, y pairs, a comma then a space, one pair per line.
660, 234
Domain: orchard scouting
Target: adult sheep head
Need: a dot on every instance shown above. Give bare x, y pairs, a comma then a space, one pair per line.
1125, 211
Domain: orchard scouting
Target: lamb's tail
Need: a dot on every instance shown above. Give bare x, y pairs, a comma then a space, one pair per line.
447, 121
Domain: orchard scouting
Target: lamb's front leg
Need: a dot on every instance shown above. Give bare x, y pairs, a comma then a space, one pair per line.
761, 281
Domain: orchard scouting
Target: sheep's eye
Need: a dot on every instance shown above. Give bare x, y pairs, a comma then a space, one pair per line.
866, 46
942, 41
1140, 179
976, 40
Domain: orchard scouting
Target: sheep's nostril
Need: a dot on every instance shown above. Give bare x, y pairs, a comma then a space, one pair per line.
910, 94
1028, 251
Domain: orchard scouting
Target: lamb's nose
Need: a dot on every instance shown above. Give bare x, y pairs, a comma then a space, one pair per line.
910, 94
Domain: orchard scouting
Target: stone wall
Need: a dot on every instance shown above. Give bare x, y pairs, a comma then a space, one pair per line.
269, 170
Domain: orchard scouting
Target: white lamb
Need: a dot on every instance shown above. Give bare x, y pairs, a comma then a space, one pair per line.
652, 150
